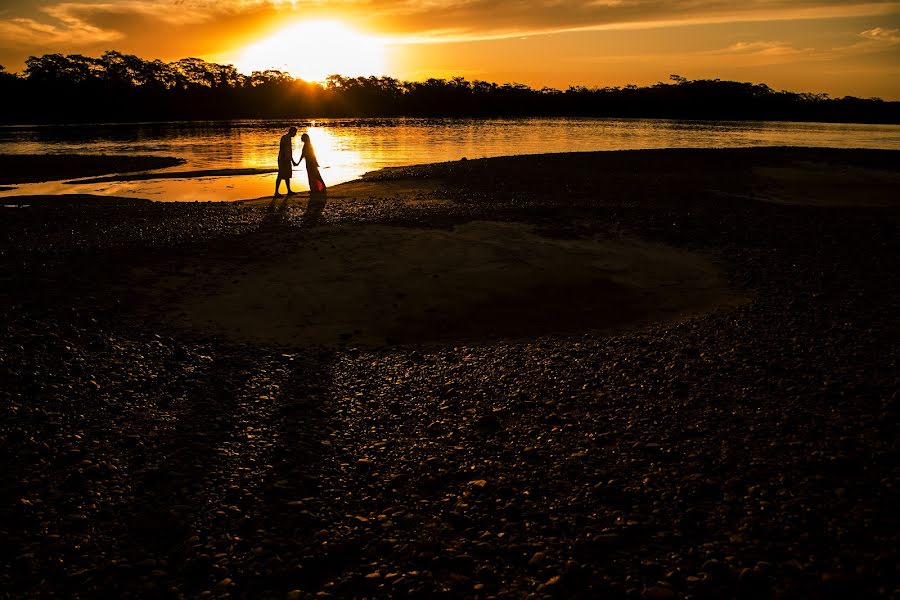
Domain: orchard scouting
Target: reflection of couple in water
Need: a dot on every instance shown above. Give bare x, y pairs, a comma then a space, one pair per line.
286, 163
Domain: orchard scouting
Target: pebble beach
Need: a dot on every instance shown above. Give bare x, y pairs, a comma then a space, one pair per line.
637, 374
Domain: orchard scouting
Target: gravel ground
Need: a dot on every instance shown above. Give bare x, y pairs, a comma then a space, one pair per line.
748, 453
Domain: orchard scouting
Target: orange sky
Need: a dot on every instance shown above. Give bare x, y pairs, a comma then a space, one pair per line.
834, 46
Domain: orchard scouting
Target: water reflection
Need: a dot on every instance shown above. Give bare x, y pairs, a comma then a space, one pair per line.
347, 148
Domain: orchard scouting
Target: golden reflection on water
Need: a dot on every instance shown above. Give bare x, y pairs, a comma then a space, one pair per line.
347, 148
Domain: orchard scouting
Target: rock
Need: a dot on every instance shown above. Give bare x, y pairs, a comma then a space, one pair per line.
537, 559
550, 583
607, 540
488, 423
659, 593
223, 585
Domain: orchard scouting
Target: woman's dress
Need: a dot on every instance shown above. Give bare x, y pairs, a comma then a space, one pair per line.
316, 184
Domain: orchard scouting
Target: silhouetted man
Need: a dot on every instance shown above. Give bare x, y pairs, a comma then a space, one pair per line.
286, 161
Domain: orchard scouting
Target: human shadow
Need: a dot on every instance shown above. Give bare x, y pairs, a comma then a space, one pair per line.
277, 209
315, 208
229, 439
244, 443
278, 204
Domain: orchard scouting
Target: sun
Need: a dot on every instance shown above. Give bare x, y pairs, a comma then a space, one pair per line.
313, 50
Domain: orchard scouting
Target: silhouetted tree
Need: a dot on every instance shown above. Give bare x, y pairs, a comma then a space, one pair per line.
116, 86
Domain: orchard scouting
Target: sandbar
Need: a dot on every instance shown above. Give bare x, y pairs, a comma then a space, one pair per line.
175, 175
35, 168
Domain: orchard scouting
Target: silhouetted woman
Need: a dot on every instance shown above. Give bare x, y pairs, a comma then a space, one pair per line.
316, 184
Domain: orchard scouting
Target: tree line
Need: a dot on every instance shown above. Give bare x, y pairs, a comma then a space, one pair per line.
56, 88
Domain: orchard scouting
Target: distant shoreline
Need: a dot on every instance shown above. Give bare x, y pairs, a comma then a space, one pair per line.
305, 118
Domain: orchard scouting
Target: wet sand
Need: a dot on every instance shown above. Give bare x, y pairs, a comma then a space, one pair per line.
823, 184
373, 285
176, 175
34, 168
660, 374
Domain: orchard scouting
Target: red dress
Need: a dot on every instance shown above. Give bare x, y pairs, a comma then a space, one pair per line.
316, 184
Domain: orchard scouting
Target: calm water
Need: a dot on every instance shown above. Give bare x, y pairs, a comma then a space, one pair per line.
347, 148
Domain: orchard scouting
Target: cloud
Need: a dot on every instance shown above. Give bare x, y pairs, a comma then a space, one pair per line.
216, 28
74, 24
420, 21
172, 12
465, 20
761, 53
767, 50
772, 52
743, 54
890, 37
68, 32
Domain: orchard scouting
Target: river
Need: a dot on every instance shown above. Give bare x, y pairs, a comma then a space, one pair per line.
347, 148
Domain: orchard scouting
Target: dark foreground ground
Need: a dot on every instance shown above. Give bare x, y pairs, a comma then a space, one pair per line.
748, 453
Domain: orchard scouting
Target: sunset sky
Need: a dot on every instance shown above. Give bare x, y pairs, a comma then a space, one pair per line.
836, 46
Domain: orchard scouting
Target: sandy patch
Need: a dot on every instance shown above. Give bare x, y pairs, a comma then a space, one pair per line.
371, 285
394, 188
397, 189
823, 184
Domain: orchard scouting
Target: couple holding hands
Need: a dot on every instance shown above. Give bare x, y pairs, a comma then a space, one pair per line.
286, 163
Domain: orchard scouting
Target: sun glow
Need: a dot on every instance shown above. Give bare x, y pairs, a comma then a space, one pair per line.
312, 50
